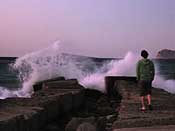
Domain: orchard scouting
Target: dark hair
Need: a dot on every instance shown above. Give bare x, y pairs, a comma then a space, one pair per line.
144, 54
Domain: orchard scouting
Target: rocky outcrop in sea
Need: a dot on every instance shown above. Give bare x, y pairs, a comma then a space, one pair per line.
166, 54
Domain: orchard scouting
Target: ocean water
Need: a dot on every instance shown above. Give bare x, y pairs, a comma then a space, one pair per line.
165, 68
18, 76
9, 77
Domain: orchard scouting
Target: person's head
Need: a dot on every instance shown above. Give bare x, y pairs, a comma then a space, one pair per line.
144, 54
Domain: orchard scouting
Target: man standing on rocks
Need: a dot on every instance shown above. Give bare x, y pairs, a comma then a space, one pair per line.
145, 75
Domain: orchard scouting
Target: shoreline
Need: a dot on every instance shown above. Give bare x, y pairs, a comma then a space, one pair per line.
64, 100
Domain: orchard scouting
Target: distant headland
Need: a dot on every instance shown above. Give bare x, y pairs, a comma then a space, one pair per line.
7, 59
166, 54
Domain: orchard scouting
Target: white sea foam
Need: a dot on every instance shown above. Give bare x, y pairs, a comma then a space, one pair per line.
122, 67
45, 64
52, 62
167, 85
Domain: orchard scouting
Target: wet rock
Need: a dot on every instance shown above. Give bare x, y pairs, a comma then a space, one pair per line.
76, 122
64, 84
103, 101
52, 108
103, 111
131, 116
104, 106
101, 124
32, 114
42, 84
86, 127
112, 118
92, 93
22, 118
91, 97
78, 100
66, 102
110, 84
53, 127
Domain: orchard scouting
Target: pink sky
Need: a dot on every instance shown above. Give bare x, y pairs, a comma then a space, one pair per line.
101, 28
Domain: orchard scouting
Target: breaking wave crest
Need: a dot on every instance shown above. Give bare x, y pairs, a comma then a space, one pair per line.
53, 62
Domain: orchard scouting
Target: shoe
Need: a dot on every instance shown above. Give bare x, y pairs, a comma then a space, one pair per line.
150, 107
142, 109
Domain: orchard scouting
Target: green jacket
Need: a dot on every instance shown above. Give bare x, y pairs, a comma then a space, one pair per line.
145, 70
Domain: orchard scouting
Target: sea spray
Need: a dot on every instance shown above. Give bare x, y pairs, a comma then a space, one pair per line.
52, 62
123, 67
167, 85
45, 64
5, 93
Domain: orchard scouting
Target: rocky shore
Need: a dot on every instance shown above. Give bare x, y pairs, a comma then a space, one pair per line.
57, 105
130, 115
64, 105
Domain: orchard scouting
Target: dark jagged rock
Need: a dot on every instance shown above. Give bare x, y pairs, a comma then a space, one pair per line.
103, 101
97, 103
52, 109
53, 127
41, 84
86, 127
104, 106
76, 122
64, 84
76, 103
91, 97
33, 114
110, 86
80, 124
101, 124
94, 94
